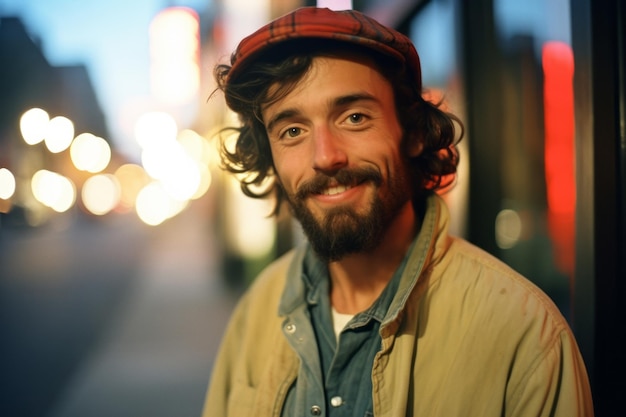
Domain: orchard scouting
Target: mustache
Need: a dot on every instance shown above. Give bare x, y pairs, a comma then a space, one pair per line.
345, 176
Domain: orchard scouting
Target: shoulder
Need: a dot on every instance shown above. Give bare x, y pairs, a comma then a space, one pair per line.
495, 292
475, 319
483, 268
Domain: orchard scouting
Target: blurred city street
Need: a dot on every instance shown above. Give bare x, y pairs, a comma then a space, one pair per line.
110, 317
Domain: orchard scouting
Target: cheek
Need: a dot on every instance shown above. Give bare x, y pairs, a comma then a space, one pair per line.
286, 174
396, 164
385, 153
290, 167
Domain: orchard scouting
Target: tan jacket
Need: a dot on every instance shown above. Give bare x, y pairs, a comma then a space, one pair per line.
472, 338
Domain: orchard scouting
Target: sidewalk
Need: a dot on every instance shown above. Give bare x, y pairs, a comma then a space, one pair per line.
157, 356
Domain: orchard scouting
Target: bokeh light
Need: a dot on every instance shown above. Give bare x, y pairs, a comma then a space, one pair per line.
90, 153
7, 184
194, 145
205, 182
200, 150
132, 178
175, 167
154, 129
174, 53
251, 231
171, 165
154, 204
176, 160
101, 194
508, 228
59, 134
34, 125
53, 190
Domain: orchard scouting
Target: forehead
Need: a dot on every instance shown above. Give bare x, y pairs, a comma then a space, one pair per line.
330, 75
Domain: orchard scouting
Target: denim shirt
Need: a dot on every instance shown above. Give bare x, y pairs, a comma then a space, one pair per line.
335, 375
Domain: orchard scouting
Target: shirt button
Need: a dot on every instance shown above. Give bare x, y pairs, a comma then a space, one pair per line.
336, 401
290, 328
316, 410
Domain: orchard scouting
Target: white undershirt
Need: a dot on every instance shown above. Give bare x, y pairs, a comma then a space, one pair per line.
340, 321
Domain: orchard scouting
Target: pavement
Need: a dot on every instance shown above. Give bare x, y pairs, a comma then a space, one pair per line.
111, 318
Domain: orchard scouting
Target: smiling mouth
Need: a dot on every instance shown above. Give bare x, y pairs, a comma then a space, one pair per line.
337, 189
342, 181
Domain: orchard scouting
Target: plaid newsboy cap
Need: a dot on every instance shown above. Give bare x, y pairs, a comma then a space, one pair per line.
309, 23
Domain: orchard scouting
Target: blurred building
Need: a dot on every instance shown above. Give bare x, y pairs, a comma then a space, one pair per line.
27, 80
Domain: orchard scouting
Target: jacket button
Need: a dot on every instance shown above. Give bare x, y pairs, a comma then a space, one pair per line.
290, 328
316, 410
336, 401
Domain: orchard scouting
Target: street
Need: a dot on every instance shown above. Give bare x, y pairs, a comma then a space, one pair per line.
110, 317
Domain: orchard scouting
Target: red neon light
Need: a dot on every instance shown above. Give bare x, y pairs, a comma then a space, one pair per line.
558, 69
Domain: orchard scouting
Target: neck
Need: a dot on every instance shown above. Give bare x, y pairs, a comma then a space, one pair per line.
358, 279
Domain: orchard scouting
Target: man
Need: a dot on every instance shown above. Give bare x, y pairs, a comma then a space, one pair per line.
382, 312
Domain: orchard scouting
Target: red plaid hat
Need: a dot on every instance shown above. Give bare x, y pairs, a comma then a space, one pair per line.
348, 26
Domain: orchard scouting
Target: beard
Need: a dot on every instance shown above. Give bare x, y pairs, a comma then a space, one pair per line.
342, 231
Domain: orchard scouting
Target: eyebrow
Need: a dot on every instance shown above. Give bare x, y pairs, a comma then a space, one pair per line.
338, 102
353, 98
285, 114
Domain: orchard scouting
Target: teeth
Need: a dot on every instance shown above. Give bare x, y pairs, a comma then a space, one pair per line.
336, 190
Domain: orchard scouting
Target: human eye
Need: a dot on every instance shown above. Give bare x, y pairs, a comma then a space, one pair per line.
290, 132
355, 119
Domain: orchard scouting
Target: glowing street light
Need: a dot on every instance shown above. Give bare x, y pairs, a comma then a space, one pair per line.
101, 194
90, 153
174, 52
132, 178
155, 128
53, 190
59, 134
34, 125
7, 184
154, 205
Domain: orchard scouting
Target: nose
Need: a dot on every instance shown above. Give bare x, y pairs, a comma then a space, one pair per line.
329, 153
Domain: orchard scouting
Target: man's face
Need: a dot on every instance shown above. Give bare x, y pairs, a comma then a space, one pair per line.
336, 145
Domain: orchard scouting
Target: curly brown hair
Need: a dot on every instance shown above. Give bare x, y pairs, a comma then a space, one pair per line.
433, 169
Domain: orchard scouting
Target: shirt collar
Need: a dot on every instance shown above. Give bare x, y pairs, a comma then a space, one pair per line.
314, 284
